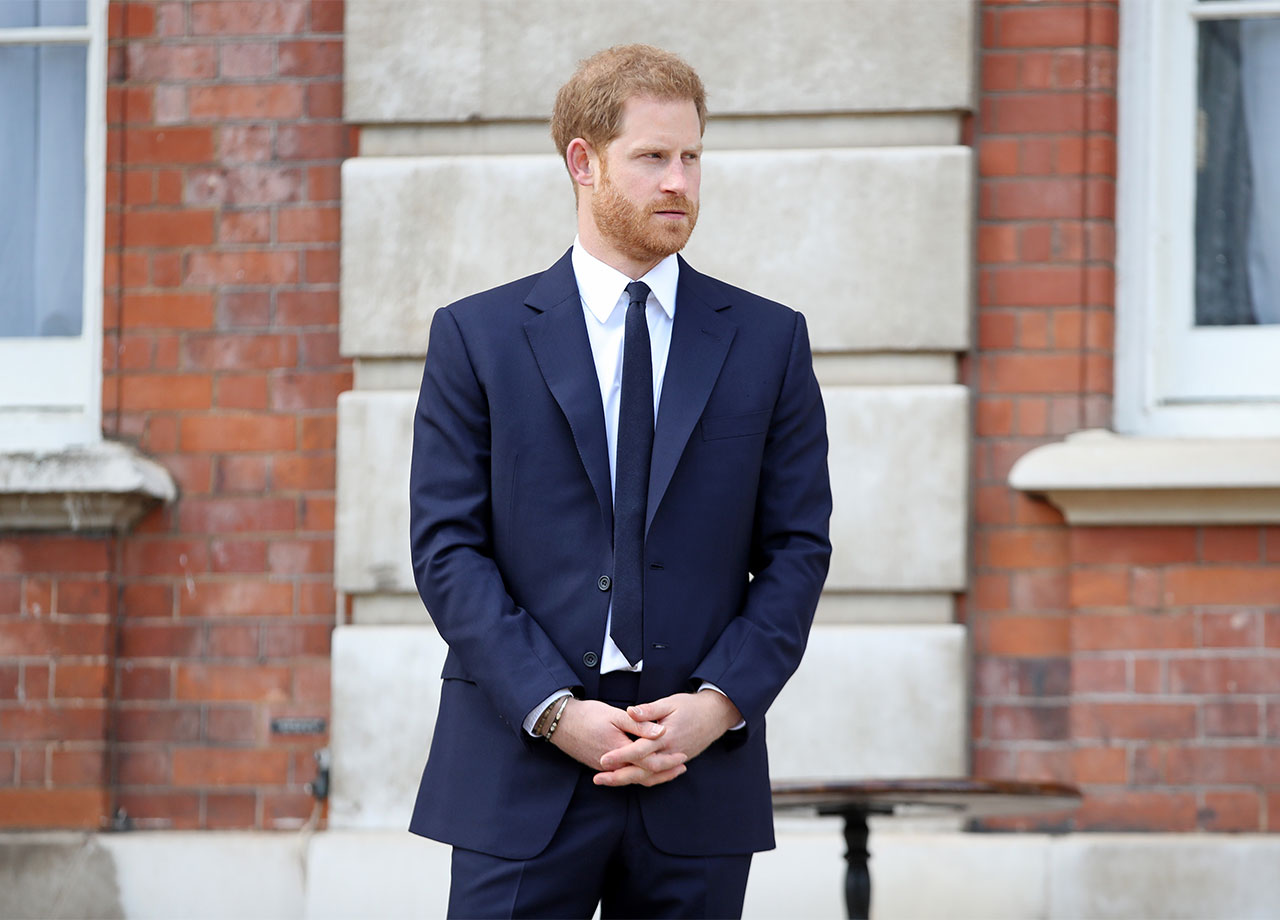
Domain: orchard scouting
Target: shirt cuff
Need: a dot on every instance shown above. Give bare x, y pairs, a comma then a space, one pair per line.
532, 717
708, 685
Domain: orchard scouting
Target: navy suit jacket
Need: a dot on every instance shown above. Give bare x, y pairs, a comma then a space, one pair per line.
511, 530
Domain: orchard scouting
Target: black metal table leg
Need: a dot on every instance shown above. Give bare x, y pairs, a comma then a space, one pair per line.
857, 880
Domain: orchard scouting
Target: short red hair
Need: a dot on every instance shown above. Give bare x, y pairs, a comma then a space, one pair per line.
590, 104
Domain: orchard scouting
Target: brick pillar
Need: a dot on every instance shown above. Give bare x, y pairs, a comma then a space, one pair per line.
225, 143
1045, 138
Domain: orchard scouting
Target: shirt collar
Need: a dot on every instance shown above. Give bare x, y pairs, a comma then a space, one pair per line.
601, 285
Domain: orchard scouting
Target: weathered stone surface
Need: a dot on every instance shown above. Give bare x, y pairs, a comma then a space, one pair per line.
970, 876
803, 876
208, 876
1163, 875
898, 462
896, 609
884, 368
388, 610
873, 701
386, 689
419, 233
872, 245
371, 534
57, 875
445, 60
772, 132
391, 875
105, 485
988, 876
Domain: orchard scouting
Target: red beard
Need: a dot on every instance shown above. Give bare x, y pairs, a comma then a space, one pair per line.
634, 230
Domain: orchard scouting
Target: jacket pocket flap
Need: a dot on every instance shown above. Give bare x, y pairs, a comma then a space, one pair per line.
735, 426
453, 670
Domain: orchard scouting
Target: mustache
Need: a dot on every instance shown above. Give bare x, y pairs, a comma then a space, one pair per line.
679, 203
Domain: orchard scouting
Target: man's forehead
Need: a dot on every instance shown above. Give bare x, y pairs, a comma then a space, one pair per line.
641, 114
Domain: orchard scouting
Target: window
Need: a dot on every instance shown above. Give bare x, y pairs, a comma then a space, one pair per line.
52, 171
1198, 264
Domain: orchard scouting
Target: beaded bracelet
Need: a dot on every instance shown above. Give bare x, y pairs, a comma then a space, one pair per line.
556, 721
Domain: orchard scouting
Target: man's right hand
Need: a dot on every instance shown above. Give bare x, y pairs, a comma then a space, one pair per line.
589, 729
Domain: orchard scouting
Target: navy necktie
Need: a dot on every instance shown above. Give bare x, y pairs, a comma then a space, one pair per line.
631, 478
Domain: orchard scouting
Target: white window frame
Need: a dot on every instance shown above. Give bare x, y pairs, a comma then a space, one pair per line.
51, 387
1172, 378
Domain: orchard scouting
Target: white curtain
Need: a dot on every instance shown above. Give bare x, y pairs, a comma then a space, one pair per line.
1260, 88
42, 174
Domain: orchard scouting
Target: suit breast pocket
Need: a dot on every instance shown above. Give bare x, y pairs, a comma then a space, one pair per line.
735, 426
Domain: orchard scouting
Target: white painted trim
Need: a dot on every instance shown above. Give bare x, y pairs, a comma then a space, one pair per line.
49, 35
1099, 478
1223, 363
53, 397
46, 372
1239, 9
1135, 249
1164, 385
95, 209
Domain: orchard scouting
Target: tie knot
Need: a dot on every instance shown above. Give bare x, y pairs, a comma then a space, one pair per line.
637, 292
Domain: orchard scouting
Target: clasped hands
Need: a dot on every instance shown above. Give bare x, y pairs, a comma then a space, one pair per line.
649, 743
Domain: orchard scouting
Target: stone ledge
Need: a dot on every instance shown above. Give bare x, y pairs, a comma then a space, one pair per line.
1097, 477
392, 874
102, 486
495, 60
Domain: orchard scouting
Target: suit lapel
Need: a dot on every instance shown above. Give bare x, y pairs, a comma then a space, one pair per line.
700, 338
558, 336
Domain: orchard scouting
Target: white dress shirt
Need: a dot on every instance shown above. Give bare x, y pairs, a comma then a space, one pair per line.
604, 304
603, 290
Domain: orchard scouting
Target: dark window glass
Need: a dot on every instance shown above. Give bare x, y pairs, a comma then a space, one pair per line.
1237, 270
24, 14
42, 189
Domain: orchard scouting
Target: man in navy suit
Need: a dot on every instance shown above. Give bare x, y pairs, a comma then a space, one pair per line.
619, 510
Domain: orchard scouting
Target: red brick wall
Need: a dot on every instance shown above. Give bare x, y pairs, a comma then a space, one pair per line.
221, 361
57, 606
1141, 663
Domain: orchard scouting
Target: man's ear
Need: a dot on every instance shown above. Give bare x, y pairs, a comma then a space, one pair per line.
580, 158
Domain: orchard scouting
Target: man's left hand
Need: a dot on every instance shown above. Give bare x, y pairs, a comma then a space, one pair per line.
692, 722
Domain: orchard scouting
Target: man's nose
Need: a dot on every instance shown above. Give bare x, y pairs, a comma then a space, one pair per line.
675, 178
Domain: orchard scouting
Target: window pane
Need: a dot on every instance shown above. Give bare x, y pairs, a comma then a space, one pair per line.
42, 189
20, 14
1238, 174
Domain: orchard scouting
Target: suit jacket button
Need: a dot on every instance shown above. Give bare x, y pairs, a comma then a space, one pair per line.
590, 659
604, 583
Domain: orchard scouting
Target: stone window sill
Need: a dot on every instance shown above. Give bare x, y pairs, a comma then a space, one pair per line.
92, 487
1101, 478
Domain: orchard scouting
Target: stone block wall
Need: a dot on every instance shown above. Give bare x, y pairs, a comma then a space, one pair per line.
834, 180
140, 674
1142, 663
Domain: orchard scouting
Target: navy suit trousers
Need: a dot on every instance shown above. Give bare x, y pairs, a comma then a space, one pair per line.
600, 854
